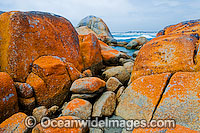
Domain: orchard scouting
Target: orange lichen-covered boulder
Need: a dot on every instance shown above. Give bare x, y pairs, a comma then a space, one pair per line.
25, 36
53, 78
139, 100
177, 129
90, 51
73, 72
181, 100
69, 126
186, 27
110, 55
166, 54
87, 85
78, 107
8, 97
14, 124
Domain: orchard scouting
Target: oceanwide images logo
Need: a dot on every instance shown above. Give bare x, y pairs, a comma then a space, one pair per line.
46, 122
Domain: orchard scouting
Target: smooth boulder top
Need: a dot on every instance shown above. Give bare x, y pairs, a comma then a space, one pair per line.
182, 27
26, 36
98, 26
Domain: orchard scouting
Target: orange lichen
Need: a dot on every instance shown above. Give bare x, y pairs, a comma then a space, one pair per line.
15, 123
25, 36
165, 54
75, 103
8, 97
87, 85
73, 129
90, 50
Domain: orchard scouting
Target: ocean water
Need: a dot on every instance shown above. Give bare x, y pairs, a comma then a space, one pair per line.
129, 36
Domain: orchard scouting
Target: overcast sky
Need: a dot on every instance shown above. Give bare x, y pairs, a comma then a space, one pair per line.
119, 15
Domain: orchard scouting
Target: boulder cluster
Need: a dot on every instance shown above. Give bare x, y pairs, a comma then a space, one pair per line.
49, 68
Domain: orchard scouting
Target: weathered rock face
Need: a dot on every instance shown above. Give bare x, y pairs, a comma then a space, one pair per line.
99, 27
25, 36
166, 54
87, 85
118, 72
24, 90
129, 66
50, 80
79, 108
14, 124
84, 30
139, 100
137, 43
40, 112
39, 129
181, 100
110, 55
113, 84
8, 97
91, 52
186, 27
105, 105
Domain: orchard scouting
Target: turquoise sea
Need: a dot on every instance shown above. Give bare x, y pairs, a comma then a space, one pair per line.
128, 36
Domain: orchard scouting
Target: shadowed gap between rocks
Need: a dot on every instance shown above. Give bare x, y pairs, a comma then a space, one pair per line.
167, 83
196, 50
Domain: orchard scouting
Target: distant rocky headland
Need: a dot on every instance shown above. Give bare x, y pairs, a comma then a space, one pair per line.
48, 68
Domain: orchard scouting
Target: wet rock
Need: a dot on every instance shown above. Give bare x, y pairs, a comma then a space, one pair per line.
137, 43
113, 84
79, 108
118, 72
135, 53
87, 85
14, 124
8, 97
129, 66
24, 90
105, 105
40, 112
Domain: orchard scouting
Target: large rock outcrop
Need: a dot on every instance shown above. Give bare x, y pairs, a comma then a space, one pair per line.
50, 80
25, 36
8, 97
98, 26
91, 52
175, 51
